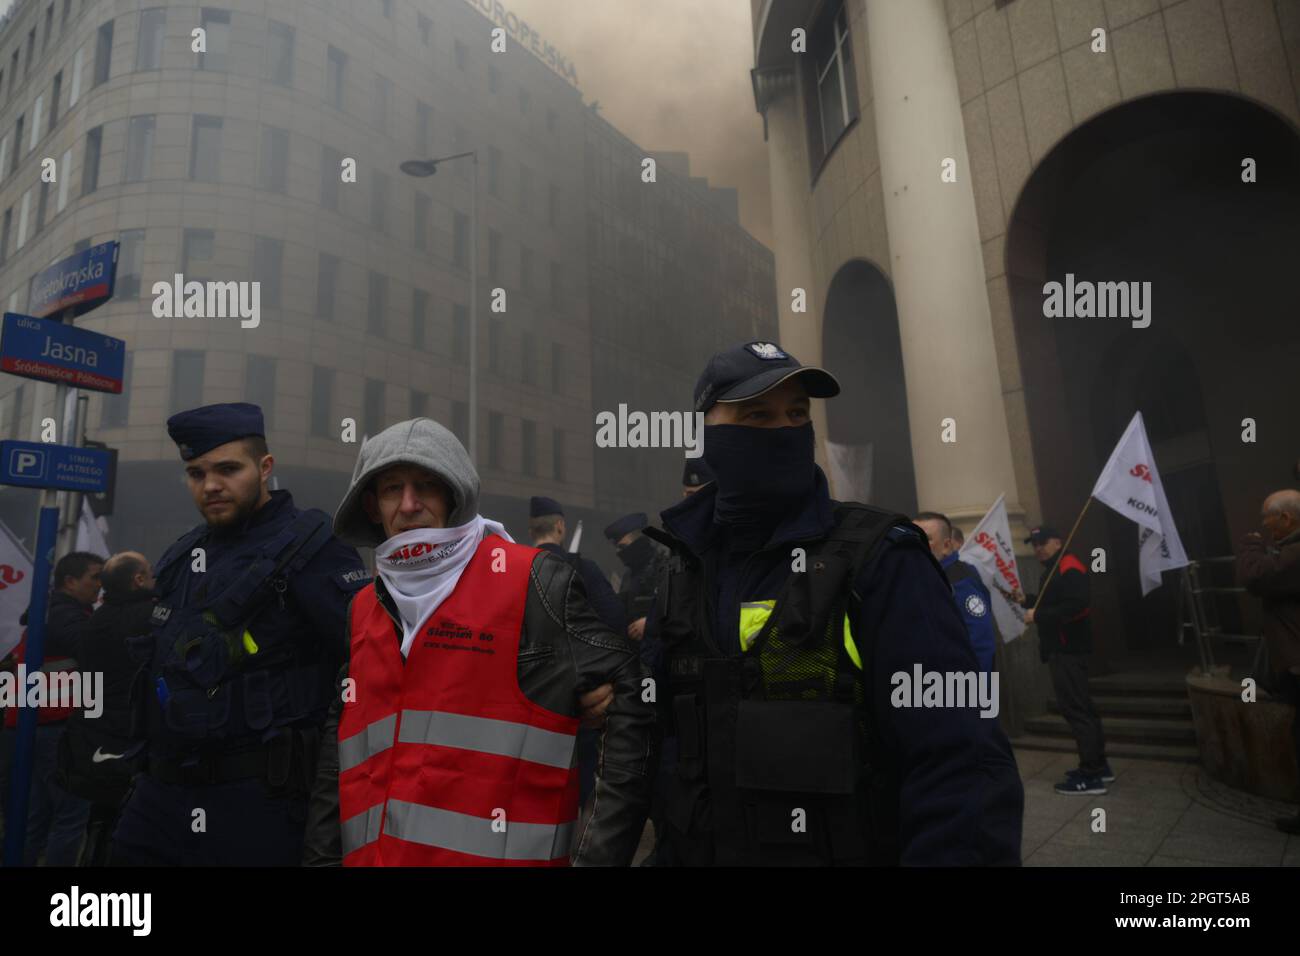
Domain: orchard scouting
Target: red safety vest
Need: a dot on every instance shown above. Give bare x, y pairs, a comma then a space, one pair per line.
442, 759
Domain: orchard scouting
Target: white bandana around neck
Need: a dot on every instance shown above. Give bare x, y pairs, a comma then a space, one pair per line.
421, 568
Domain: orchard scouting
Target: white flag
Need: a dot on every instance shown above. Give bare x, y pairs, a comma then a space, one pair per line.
988, 549
577, 539
15, 589
90, 532
1131, 485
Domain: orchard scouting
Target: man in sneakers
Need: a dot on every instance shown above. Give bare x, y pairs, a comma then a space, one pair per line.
1064, 642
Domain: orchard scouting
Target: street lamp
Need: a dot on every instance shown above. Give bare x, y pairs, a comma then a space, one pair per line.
423, 168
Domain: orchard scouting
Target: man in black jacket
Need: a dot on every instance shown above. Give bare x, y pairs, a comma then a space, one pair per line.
1065, 641
100, 749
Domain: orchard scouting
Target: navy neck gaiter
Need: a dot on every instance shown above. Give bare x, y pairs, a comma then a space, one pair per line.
761, 473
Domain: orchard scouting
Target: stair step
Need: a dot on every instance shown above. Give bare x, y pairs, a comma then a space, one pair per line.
1136, 706
1138, 729
1118, 748
1138, 685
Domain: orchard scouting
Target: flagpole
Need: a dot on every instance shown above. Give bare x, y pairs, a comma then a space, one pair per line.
1065, 547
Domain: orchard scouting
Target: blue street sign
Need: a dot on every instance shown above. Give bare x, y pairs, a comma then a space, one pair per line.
53, 352
62, 467
80, 282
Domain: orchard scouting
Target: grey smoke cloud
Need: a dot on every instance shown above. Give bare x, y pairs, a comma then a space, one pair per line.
671, 75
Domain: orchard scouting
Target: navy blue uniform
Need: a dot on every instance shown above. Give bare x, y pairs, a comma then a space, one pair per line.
961, 798
975, 604
243, 756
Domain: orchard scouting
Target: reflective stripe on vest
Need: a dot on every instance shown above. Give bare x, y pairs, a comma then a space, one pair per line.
442, 758
754, 614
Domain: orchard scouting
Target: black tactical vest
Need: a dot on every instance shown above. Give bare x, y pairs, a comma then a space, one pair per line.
779, 761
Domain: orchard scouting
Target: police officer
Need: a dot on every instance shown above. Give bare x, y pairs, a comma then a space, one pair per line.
248, 636
547, 528
787, 619
644, 560
968, 591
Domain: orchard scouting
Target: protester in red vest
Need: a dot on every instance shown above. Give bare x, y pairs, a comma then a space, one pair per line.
472, 661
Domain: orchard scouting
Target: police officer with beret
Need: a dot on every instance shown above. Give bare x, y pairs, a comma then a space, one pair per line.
248, 635
787, 618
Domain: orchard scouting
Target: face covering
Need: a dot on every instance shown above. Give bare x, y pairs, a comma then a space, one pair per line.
636, 554
420, 568
759, 471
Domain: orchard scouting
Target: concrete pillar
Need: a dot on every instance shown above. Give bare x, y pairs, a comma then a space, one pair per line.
937, 265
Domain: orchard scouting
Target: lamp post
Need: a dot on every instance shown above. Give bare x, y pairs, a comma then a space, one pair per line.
422, 168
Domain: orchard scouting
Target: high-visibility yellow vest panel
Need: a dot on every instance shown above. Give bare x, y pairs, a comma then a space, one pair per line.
754, 614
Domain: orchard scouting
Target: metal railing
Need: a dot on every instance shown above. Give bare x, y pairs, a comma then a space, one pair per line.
1198, 612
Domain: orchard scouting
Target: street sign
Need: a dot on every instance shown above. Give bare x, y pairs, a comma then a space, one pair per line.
101, 503
53, 352
61, 467
80, 282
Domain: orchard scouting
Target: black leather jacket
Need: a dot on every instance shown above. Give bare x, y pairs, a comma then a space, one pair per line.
564, 651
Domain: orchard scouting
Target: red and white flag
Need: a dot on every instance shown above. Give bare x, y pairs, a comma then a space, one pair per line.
1131, 485
989, 550
15, 589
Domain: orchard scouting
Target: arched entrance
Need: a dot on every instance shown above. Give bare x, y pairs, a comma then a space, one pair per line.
869, 442
1152, 191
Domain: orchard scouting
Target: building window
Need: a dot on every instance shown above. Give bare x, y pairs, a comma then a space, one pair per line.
216, 27
13, 70
460, 333
387, 8
322, 391
460, 422
67, 9
525, 189
273, 168
197, 251
259, 385
331, 175
37, 107
327, 278
419, 404
23, 209
426, 28
335, 67
494, 255
419, 319
525, 268
41, 205
55, 95
4, 233
460, 240
423, 213
379, 202
205, 149
139, 148
496, 331
19, 127
424, 129
187, 380
557, 286
31, 51
494, 172
376, 303
268, 265
103, 53
373, 412
49, 27
115, 412
553, 207
557, 454
90, 166
149, 39
460, 55
528, 358
496, 438
130, 264
494, 79
279, 53
529, 448
557, 368
832, 85
75, 92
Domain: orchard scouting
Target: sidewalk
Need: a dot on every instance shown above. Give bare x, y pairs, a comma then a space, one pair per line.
1157, 814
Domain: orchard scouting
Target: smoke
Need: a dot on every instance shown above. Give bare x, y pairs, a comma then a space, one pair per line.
671, 75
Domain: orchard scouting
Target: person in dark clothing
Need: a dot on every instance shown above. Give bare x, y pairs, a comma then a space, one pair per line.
547, 529
1064, 642
56, 819
99, 750
1268, 566
968, 591
644, 560
788, 619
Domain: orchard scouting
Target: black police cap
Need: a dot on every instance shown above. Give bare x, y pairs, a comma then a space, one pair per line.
538, 506
625, 525
749, 370
199, 430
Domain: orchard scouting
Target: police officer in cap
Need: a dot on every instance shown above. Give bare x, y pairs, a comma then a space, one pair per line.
547, 528
644, 560
788, 619
248, 635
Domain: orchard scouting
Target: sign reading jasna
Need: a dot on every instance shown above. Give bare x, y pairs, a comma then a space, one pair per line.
50, 351
81, 282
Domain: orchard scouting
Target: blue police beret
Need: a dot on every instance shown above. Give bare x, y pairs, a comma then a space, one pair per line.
626, 524
538, 506
199, 430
